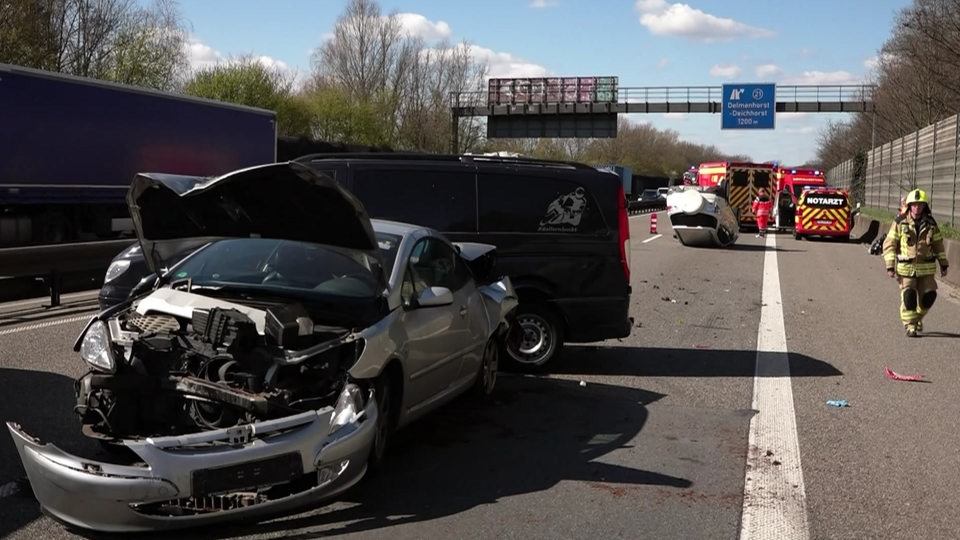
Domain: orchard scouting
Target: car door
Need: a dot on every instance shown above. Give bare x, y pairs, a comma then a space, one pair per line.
438, 337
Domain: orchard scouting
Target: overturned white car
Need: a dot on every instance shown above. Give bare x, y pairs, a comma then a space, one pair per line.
269, 367
702, 217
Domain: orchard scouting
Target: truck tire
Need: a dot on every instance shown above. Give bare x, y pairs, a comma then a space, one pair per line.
541, 336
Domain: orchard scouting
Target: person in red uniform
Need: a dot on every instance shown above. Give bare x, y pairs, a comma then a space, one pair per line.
762, 206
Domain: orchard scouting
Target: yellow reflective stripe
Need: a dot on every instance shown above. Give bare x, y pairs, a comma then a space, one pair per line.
921, 269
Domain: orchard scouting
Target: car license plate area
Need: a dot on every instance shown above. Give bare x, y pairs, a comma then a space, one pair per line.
261, 473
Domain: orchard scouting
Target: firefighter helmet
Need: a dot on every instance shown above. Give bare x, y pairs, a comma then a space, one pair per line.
917, 196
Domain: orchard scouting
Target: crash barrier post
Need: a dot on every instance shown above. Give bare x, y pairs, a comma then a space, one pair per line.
56, 287
653, 223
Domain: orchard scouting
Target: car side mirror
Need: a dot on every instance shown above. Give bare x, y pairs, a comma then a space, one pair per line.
435, 296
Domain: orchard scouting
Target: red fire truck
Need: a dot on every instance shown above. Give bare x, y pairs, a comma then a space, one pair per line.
741, 180
791, 183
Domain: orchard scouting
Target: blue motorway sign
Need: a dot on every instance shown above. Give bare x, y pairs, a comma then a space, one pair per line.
748, 106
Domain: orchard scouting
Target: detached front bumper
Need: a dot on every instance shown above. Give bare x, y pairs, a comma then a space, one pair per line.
202, 478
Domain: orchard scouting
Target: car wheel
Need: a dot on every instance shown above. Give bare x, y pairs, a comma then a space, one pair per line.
487, 374
541, 336
386, 413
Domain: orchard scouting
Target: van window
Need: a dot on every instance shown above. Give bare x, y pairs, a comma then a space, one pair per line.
521, 203
441, 199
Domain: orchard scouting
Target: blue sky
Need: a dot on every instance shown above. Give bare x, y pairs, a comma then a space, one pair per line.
643, 42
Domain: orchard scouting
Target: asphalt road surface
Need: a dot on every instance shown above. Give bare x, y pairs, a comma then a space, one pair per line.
710, 421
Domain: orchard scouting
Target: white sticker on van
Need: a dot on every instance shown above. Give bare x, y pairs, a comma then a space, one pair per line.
564, 213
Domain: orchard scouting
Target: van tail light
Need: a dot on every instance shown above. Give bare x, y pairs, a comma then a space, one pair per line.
624, 229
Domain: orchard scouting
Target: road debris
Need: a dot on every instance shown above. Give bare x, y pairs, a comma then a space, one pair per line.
891, 374
837, 403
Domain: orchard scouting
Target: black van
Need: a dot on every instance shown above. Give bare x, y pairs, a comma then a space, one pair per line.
560, 228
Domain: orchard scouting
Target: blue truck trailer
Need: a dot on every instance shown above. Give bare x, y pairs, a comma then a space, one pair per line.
69, 147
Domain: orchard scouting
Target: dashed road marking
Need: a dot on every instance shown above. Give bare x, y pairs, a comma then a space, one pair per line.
44, 324
651, 239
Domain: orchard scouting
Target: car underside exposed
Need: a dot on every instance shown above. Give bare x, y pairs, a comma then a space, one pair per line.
213, 370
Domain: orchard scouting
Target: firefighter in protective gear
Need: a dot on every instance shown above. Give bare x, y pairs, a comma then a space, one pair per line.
911, 251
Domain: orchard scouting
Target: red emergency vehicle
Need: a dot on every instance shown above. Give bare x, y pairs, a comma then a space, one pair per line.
791, 183
823, 211
796, 180
741, 181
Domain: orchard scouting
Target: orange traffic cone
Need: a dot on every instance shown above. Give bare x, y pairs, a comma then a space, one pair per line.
653, 223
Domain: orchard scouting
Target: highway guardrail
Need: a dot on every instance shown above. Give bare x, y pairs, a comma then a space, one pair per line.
55, 260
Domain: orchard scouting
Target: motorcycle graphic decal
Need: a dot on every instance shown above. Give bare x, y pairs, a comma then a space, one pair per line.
564, 213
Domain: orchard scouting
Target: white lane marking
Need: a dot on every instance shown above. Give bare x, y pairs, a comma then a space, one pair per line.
774, 498
651, 239
45, 324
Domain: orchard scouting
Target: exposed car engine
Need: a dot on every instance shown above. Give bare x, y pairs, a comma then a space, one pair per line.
176, 375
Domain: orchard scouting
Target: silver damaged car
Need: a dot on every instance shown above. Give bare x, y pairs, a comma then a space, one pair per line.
269, 368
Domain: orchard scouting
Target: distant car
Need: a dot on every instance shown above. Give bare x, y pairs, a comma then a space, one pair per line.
648, 198
662, 192
269, 368
126, 272
702, 217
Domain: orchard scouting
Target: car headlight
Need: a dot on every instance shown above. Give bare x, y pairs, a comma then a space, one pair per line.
115, 269
95, 347
349, 407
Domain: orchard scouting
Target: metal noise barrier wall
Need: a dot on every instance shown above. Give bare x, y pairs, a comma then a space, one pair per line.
928, 159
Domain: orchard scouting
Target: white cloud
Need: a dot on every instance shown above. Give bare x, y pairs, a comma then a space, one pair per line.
682, 20
795, 116
662, 63
201, 56
417, 25
766, 70
505, 65
543, 4
725, 71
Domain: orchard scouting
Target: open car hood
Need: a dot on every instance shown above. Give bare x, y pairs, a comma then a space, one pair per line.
289, 201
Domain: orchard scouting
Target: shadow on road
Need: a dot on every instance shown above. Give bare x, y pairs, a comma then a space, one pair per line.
651, 362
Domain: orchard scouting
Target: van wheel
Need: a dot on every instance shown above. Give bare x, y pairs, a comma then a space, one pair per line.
797, 235
541, 336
